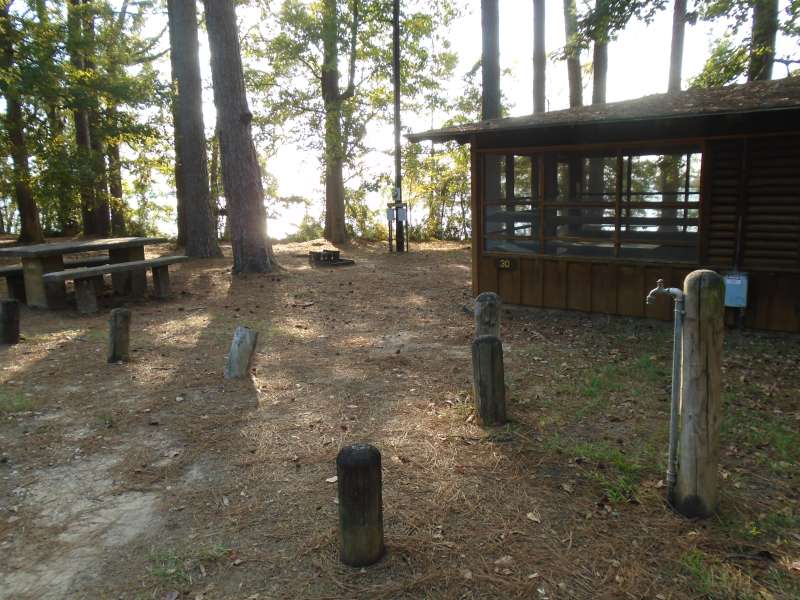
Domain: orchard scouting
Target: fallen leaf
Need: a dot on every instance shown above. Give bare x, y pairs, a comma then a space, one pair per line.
534, 516
567, 488
505, 561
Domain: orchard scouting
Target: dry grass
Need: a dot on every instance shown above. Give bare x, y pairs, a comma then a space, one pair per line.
566, 501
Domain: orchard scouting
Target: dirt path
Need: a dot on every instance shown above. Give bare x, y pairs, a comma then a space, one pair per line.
159, 478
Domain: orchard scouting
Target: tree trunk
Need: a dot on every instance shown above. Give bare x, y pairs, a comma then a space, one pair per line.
75, 41
670, 171
99, 175
118, 225
30, 228
201, 236
490, 60
539, 56
599, 76
762, 43
334, 152
599, 72
241, 175
676, 50
334, 179
180, 195
213, 184
573, 55
101, 215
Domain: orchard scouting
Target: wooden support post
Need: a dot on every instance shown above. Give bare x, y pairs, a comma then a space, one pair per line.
99, 284
241, 355
487, 314
9, 321
358, 470
119, 335
161, 282
40, 294
128, 282
86, 296
488, 380
16, 287
696, 489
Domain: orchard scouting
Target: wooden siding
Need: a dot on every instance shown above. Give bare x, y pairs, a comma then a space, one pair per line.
621, 288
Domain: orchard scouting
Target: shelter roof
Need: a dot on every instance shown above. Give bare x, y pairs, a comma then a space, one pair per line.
752, 97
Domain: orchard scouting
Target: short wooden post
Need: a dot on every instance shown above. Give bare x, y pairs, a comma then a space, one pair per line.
358, 470
86, 296
119, 335
161, 282
488, 380
487, 314
241, 354
696, 489
9, 322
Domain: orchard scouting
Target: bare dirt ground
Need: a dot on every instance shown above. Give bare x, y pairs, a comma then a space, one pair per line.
159, 479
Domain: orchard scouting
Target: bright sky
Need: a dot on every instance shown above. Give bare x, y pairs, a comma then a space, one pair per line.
638, 66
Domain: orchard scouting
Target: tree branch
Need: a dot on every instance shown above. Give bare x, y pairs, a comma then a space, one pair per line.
351, 84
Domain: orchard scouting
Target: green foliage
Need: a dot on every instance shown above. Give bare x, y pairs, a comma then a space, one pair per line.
714, 579
286, 86
173, 566
730, 55
727, 63
115, 80
12, 401
606, 18
309, 228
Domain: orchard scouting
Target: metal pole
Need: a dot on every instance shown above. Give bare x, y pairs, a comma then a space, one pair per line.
677, 359
398, 181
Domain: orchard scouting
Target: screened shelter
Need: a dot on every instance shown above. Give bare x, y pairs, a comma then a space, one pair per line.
586, 208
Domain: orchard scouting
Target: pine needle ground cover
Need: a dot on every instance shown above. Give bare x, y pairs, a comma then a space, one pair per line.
160, 479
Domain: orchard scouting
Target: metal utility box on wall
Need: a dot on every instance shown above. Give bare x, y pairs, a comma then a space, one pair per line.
736, 290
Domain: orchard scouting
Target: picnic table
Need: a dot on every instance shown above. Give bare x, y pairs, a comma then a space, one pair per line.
38, 259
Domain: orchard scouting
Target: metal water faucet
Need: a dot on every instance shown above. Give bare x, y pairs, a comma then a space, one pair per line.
660, 290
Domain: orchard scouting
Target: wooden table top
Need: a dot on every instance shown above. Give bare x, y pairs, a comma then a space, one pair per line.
75, 246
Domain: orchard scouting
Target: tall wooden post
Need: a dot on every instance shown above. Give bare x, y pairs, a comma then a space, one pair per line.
487, 314
358, 470
696, 489
488, 380
119, 335
9, 322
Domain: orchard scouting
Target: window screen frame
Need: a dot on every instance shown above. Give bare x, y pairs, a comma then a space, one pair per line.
620, 153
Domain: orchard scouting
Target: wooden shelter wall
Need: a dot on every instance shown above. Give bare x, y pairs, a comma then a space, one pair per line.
621, 288
750, 221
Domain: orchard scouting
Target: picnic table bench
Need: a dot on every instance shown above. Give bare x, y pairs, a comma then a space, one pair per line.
15, 274
40, 259
88, 280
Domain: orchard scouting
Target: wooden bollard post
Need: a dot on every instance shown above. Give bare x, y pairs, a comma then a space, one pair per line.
241, 354
119, 335
696, 488
9, 322
488, 380
487, 314
358, 471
